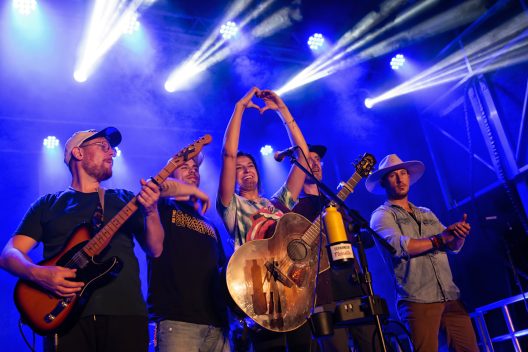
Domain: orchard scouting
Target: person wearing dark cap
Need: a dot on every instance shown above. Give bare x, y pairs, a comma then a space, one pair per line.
115, 316
428, 299
185, 297
311, 204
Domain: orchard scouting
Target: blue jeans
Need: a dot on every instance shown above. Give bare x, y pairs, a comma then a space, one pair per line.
176, 336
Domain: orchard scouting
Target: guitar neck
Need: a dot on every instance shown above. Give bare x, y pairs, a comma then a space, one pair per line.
311, 235
103, 237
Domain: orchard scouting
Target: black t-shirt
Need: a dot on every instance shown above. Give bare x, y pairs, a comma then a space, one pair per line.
53, 217
184, 282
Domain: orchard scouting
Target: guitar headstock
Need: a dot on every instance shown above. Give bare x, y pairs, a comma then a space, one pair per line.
192, 149
365, 165
183, 155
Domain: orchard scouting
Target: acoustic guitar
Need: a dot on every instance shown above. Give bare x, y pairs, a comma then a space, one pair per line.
272, 280
47, 313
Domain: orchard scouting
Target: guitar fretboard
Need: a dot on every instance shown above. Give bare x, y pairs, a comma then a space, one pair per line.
103, 237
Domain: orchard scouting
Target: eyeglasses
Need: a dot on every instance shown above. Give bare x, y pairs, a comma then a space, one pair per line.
105, 147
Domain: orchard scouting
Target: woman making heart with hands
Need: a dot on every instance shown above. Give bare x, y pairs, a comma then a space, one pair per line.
239, 195
246, 214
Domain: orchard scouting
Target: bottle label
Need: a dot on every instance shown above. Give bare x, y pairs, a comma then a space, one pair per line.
341, 251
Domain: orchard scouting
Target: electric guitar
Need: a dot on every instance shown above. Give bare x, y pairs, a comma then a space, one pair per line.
47, 313
272, 280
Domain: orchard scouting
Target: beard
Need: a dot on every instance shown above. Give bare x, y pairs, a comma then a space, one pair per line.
101, 172
397, 194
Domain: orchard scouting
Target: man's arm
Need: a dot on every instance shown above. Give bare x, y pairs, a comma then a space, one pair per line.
452, 237
182, 191
154, 234
383, 222
15, 260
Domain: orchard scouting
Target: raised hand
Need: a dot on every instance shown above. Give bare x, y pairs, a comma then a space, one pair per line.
272, 101
247, 101
460, 229
455, 235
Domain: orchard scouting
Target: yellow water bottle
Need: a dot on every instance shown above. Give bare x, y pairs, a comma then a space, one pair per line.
339, 248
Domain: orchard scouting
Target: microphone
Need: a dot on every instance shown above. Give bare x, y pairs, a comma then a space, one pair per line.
279, 156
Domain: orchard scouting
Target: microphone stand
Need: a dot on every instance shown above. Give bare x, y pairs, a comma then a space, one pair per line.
373, 301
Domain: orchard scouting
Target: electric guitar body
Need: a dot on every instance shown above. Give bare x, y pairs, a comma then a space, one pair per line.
46, 312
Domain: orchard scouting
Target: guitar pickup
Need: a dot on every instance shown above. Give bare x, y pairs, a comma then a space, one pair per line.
278, 275
61, 305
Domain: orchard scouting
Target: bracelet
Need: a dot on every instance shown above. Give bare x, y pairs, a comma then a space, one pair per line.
287, 123
437, 242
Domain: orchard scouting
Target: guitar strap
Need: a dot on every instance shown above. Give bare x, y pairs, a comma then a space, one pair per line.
98, 215
101, 192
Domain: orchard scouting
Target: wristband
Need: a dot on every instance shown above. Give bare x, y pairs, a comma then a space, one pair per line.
437, 242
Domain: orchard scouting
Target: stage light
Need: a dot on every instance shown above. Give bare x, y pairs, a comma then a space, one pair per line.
133, 24
346, 52
369, 103
229, 30
108, 22
316, 41
501, 47
25, 7
50, 142
182, 77
118, 152
397, 62
80, 76
217, 46
266, 150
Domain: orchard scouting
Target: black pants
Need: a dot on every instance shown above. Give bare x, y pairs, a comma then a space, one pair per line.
102, 333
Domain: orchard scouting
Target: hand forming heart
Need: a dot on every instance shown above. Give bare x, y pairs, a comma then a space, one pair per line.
271, 100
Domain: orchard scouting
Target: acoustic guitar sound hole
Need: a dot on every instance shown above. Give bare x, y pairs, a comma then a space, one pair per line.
297, 250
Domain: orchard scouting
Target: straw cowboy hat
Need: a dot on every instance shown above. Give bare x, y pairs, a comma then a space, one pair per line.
390, 163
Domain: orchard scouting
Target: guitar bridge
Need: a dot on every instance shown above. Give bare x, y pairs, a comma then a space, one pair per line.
278, 275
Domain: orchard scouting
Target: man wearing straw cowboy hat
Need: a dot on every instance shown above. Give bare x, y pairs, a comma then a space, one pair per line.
428, 299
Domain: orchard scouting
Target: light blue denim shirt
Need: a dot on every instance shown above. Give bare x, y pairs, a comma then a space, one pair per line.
425, 278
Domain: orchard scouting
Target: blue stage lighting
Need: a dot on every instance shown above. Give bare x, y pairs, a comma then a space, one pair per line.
316, 41
25, 7
266, 150
51, 142
80, 76
118, 152
229, 30
369, 103
133, 24
397, 62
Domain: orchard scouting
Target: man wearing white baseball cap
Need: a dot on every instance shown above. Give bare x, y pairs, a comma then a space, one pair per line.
115, 316
428, 299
